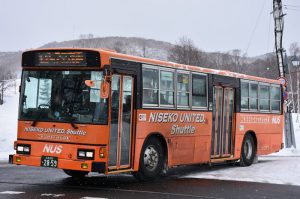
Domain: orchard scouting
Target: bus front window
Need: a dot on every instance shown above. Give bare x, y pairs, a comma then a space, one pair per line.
62, 96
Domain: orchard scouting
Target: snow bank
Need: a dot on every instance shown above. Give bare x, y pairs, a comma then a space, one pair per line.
8, 122
292, 151
275, 170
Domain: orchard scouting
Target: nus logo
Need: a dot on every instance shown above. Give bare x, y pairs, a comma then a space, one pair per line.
49, 148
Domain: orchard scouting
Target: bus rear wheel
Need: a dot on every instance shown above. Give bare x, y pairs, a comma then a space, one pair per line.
151, 160
248, 152
75, 174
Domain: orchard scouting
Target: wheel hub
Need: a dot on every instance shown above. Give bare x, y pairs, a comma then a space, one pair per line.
151, 158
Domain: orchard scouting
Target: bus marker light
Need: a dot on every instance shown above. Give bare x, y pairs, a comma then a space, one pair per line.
102, 152
84, 166
15, 145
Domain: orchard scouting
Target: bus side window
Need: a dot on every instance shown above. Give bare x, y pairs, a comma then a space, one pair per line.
245, 95
150, 87
166, 88
275, 98
264, 97
183, 89
253, 96
199, 96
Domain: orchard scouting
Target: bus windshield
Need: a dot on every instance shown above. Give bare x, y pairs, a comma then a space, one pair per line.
62, 96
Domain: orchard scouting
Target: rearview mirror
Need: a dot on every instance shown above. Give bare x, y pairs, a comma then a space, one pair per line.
104, 89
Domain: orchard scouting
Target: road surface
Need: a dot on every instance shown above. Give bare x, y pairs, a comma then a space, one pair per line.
32, 182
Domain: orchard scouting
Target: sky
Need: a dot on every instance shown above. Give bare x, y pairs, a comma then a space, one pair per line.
213, 25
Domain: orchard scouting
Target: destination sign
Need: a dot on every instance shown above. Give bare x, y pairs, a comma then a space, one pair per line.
69, 58
61, 59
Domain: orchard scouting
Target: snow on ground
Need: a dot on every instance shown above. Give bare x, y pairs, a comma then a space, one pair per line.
269, 169
8, 122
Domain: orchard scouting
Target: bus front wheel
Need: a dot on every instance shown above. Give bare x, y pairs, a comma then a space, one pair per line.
75, 174
151, 160
248, 152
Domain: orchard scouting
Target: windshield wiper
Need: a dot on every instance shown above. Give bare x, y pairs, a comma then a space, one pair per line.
72, 123
37, 117
39, 113
71, 105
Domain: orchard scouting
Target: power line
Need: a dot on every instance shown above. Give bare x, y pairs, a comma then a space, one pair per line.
292, 9
268, 44
295, 6
255, 26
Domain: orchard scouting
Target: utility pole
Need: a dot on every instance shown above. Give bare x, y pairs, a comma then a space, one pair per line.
279, 25
283, 69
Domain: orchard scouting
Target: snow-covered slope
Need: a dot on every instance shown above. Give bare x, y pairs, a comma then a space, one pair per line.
8, 122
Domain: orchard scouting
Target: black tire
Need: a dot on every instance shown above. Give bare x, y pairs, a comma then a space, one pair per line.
151, 160
248, 152
75, 174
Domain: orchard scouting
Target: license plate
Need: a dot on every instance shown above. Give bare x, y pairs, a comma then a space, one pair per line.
48, 161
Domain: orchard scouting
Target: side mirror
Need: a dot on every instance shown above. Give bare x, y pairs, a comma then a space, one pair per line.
89, 83
104, 89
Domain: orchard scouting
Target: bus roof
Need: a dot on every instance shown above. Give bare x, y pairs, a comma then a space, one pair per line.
107, 55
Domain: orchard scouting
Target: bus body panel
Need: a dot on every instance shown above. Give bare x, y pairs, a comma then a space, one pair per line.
64, 132
187, 133
65, 153
268, 129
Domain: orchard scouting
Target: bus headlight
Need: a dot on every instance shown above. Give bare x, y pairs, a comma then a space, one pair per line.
89, 154
81, 154
23, 149
86, 154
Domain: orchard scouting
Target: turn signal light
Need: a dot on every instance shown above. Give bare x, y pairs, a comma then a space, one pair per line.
18, 159
84, 166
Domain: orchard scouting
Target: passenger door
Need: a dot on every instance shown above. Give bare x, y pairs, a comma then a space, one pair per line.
223, 131
121, 122
222, 121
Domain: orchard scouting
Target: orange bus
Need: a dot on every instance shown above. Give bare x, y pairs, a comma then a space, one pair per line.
94, 110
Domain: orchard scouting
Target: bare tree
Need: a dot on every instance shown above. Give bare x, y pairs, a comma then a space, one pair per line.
185, 52
119, 47
236, 60
294, 49
144, 48
4, 85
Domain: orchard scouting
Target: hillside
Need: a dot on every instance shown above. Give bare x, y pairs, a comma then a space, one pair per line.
10, 62
128, 45
231, 60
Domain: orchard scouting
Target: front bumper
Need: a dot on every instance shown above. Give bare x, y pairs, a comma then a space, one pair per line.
90, 166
